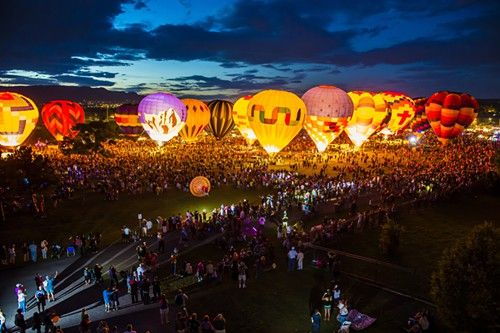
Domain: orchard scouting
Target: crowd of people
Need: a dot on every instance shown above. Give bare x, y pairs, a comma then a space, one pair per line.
297, 178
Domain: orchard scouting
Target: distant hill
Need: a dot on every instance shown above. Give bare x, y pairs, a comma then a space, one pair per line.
84, 95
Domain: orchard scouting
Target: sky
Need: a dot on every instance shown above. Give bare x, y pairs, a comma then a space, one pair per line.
229, 48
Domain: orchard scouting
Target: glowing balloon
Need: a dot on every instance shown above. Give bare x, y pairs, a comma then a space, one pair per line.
276, 117
221, 119
370, 113
127, 119
401, 110
240, 118
162, 115
198, 117
328, 110
419, 124
60, 118
199, 186
450, 113
18, 117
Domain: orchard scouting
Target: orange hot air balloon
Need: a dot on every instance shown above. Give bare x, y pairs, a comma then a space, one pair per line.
60, 117
240, 117
328, 111
18, 118
127, 119
450, 113
199, 186
419, 123
370, 113
401, 109
198, 117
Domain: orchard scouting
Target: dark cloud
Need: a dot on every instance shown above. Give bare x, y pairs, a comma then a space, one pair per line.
140, 4
82, 80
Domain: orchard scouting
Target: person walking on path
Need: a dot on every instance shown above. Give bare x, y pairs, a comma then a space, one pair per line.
40, 298
164, 310
316, 321
33, 251
292, 257
48, 284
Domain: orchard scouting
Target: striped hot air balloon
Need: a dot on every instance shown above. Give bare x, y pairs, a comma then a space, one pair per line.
221, 118
60, 117
240, 118
328, 110
370, 114
198, 117
127, 119
450, 113
419, 123
18, 118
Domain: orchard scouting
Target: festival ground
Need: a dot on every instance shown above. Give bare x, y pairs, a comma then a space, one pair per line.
278, 300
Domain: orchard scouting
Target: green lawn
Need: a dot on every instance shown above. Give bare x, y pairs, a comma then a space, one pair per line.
92, 213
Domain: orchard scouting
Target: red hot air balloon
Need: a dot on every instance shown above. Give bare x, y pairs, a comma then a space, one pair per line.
450, 113
60, 118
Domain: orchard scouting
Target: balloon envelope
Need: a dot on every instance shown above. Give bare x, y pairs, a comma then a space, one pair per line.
199, 186
240, 118
221, 118
127, 119
370, 113
18, 118
61, 116
419, 123
401, 109
198, 117
276, 117
162, 116
328, 110
450, 113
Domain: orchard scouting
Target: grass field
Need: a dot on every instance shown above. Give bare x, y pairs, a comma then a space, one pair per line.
84, 214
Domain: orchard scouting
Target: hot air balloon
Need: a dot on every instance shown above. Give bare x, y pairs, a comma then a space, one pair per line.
18, 117
198, 117
127, 119
162, 115
370, 113
60, 117
221, 118
199, 186
450, 113
401, 110
328, 110
240, 118
276, 117
419, 123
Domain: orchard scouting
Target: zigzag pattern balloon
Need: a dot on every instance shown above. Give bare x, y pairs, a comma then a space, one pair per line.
60, 117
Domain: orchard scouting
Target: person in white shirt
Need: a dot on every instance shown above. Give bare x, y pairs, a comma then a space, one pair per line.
300, 260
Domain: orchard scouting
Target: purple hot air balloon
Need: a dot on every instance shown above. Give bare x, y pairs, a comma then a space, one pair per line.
162, 115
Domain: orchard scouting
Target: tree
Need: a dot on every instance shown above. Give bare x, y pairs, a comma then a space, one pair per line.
389, 237
464, 285
90, 137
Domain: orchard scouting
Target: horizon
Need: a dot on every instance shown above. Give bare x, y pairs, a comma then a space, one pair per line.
209, 48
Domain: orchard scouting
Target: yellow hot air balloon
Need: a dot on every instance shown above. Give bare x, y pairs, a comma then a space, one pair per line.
370, 112
240, 118
18, 117
402, 111
198, 117
276, 117
328, 111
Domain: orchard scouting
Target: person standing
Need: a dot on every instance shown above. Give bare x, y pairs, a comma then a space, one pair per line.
156, 288
292, 257
25, 252
164, 310
21, 300
12, 254
44, 246
3, 320
300, 260
145, 285
37, 322
316, 321
49, 286
327, 304
33, 251
219, 323
19, 321
242, 275
105, 297
40, 298
134, 289
193, 323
